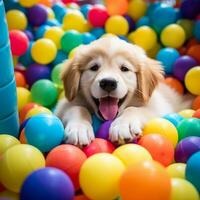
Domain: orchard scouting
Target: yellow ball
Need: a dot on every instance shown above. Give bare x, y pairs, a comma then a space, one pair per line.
137, 8
192, 80
163, 127
8, 195
117, 25
100, 175
176, 170
17, 163
62, 95
38, 110
187, 113
44, 51
131, 154
72, 53
54, 34
23, 97
16, 20
28, 3
50, 12
173, 36
153, 52
183, 190
7, 141
144, 36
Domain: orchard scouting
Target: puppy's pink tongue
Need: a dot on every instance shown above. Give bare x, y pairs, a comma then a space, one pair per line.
108, 107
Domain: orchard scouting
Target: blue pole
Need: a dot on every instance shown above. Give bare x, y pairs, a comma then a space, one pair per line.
9, 122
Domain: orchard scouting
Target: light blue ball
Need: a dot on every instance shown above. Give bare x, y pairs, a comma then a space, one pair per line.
97, 32
85, 9
143, 21
96, 123
122, 37
174, 118
152, 7
44, 131
167, 56
39, 33
59, 11
60, 57
88, 38
52, 22
193, 170
196, 31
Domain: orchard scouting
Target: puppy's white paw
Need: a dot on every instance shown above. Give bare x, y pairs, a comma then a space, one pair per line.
79, 133
124, 129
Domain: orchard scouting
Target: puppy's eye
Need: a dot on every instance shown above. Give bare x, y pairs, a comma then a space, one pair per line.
124, 68
94, 67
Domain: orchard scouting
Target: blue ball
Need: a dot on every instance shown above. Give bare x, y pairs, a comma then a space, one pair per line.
97, 32
143, 21
88, 38
174, 118
60, 57
44, 131
60, 11
47, 183
196, 30
52, 22
122, 37
193, 169
96, 123
152, 7
39, 32
167, 56
85, 9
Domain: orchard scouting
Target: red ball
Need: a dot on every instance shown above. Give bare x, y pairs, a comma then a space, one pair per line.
99, 146
69, 1
196, 114
160, 148
68, 158
19, 42
98, 15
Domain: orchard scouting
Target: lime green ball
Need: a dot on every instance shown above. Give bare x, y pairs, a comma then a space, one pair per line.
70, 40
188, 127
188, 26
55, 75
44, 92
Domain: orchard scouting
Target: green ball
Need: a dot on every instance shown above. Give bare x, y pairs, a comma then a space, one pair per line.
55, 75
70, 40
189, 127
44, 92
188, 26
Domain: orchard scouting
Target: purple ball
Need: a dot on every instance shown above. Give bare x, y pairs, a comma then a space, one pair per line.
47, 183
36, 72
131, 23
186, 148
29, 34
103, 131
182, 65
37, 15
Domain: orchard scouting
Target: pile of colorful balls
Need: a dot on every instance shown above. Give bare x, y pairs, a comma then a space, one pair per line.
163, 165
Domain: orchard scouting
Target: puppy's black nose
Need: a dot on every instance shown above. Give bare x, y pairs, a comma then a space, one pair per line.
108, 84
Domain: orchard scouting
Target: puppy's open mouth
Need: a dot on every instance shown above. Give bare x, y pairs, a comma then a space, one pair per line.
108, 107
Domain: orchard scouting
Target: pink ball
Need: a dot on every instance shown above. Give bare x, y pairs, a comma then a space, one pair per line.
98, 15
19, 42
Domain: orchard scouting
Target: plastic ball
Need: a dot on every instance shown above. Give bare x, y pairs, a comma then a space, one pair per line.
176, 170
119, 7
69, 159
47, 183
188, 127
143, 180
187, 147
55, 34
96, 123
103, 131
131, 22
19, 161
40, 31
160, 148
36, 72
182, 65
162, 127
98, 145
144, 36
44, 51
187, 113
26, 59
196, 103
131, 154
44, 131
143, 21
196, 114
20, 80
154, 51
36, 111
188, 26
192, 80
174, 118
6, 142
183, 190
137, 9
173, 36
47, 3
60, 57
85, 8
92, 176
70, 40
117, 25
37, 15
98, 32
29, 3
88, 38
167, 56
19, 42
98, 15
23, 97
197, 30
19, 22
175, 84
194, 51
55, 75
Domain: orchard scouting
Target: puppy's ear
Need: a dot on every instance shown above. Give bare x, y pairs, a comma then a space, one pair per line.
71, 76
149, 75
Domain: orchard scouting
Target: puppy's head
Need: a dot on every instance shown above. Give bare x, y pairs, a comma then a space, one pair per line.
111, 74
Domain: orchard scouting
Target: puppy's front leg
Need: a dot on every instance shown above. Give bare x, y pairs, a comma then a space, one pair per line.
78, 128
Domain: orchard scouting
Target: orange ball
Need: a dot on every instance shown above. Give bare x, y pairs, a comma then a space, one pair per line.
116, 7
22, 137
20, 79
160, 148
175, 84
145, 180
47, 3
194, 51
196, 114
80, 197
191, 42
196, 103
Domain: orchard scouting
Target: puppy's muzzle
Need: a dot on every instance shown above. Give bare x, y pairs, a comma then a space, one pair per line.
108, 84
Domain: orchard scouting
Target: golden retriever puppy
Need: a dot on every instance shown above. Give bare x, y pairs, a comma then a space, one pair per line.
117, 81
